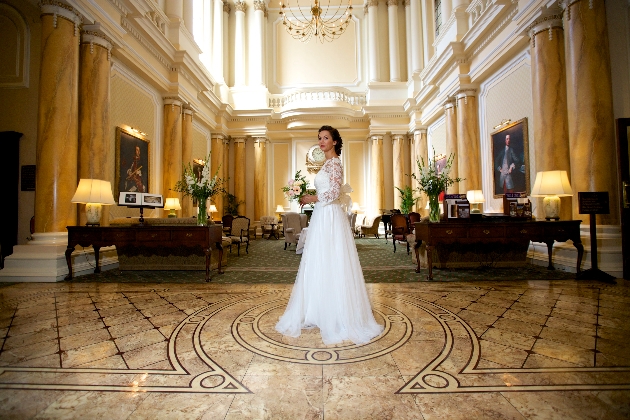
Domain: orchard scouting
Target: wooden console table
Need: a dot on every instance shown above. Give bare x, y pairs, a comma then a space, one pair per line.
145, 236
484, 232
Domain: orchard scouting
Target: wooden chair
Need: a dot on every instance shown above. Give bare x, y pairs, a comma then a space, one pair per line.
227, 223
240, 233
413, 219
400, 230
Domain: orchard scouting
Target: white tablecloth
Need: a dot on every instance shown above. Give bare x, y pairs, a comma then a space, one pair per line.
300, 245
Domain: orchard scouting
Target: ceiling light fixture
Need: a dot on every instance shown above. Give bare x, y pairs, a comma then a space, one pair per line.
323, 25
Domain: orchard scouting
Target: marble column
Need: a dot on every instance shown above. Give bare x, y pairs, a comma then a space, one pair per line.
549, 94
187, 155
257, 52
260, 178
58, 122
589, 102
407, 4
420, 153
450, 121
174, 9
226, 164
239, 172
217, 40
373, 58
468, 147
172, 149
446, 8
398, 143
239, 43
394, 43
377, 170
94, 134
226, 18
416, 37
188, 14
216, 166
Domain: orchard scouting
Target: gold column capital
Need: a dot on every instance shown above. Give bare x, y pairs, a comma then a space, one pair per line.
449, 103
226, 7
173, 101
465, 92
62, 10
544, 24
218, 136
239, 139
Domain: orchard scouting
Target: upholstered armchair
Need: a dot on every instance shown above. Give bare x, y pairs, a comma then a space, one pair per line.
400, 230
370, 226
293, 224
269, 226
240, 233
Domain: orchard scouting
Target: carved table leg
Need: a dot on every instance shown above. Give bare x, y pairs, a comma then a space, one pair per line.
220, 248
207, 252
430, 261
69, 262
97, 269
549, 252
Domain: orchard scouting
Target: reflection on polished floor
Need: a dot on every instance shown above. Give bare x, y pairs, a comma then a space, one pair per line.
535, 349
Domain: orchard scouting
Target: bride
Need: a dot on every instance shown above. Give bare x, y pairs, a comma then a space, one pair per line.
329, 290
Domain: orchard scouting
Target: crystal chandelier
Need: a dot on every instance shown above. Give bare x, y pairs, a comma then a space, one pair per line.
323, 25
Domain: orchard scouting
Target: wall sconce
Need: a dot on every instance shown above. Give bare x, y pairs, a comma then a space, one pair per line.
172, 204
94, 193
551, 185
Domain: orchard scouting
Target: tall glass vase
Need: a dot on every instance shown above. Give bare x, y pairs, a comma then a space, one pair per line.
434, 209
202, 216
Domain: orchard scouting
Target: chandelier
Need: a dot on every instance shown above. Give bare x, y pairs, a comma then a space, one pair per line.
323, 25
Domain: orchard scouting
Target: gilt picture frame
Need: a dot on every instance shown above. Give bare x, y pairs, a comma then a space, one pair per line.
510, 171
133, 158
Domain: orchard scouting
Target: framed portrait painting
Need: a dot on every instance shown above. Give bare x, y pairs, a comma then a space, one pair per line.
132, 163
510, 159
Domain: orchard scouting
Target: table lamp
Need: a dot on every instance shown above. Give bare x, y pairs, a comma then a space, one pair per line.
172, 204
355, 208
475, 197
552, 185
94, 193
279, 211
212, 209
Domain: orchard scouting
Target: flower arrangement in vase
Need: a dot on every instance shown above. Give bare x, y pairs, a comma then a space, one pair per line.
201, 188
432, 181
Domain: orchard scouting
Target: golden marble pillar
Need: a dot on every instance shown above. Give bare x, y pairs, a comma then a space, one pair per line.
589, 102
549, 92
377, 185
172, 158
57, 123
260, 178
239, 172
216, 164
468, 142
420, 153
226, 163
94, 134
398, 143
187, 157
450, 121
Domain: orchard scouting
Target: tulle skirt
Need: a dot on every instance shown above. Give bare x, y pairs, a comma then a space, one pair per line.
329, 291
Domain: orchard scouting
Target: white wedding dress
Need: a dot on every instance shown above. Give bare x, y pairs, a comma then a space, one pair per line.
329, 290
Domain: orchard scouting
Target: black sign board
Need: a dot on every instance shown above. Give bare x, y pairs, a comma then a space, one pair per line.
28, 177
593, 202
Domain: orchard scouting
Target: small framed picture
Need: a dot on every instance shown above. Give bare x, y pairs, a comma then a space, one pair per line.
152, 200
130, 199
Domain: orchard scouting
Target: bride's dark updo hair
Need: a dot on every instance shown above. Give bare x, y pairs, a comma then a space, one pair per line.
335, 136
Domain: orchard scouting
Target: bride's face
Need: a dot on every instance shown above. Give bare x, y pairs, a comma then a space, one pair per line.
326, 142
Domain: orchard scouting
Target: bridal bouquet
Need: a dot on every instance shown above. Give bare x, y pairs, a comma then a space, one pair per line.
296, 188
200, 187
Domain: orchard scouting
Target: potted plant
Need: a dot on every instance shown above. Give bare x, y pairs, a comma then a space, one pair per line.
231, 204
407, 199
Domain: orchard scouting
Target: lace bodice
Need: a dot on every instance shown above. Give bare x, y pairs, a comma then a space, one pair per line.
328, 181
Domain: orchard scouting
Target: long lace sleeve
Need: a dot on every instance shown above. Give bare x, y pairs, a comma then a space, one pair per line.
334, 171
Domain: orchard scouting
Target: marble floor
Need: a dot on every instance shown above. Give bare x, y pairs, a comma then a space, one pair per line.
514, 350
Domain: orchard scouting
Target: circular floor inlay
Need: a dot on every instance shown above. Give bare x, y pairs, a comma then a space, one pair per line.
254, 330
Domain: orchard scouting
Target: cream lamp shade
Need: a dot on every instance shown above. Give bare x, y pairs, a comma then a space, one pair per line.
356, 208
475, 197
172, 204
94, 193
213, 208
552, 185
279, 209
